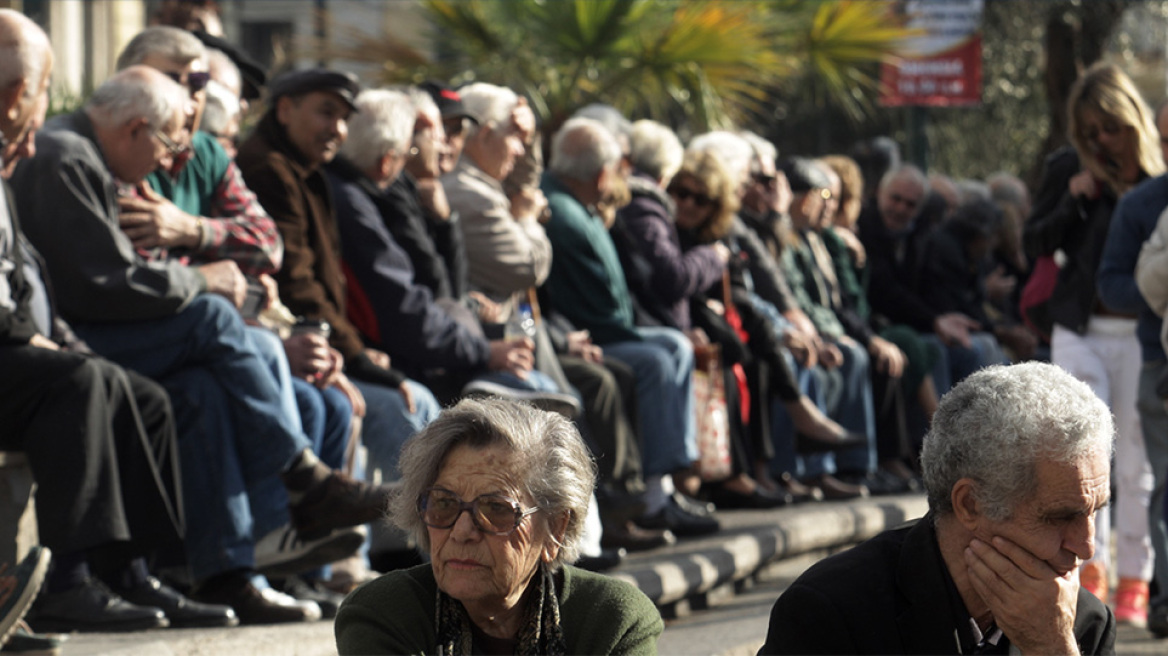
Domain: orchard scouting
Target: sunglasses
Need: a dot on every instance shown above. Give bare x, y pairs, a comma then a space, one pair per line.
491, 513
683, 193
196, 81
173, 147
455, 126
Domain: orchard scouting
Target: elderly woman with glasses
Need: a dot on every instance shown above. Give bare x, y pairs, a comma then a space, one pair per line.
497, 492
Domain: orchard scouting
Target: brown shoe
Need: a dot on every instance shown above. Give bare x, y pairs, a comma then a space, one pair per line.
836, 490
631, 537
798, 491
334, 500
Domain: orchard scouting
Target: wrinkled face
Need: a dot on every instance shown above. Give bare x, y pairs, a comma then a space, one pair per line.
29, 116
141, 149
496, 148
455, 128
192, 76
430, 143
694, 205
1110, 141
761, 190
1057, 524
899, 201
317, 124
479, 569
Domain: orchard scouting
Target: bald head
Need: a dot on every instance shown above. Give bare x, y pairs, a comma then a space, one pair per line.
25, 64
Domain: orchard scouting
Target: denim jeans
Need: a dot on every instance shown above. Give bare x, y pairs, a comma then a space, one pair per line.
663, 363
388, 423
1154, 422
957, 362
854, 410
235, 436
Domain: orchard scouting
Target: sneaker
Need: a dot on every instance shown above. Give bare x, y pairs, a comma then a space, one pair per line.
298, 588
22, 640
286, 551
1093, 579
256, 606
1131, 602
19, 587
564, 404
334, 500
92, 606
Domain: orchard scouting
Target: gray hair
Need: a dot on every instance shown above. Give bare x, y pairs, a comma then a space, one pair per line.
488, 104
996, 425
137, 92
383, 123
24, 51
907, 171
179, 46
422, 101
224, 71
734, 151
969, 191
655, 150
582, 149
547, 456
763, 150
222, 108
612, 120
1008, 188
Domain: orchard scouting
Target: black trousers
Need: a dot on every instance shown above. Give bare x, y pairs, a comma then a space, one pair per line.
609, 393
101, 443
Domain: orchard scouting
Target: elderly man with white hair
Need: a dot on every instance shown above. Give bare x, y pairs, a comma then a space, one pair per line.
587, 285
1016, 465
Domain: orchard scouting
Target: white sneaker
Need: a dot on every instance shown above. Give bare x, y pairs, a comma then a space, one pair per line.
310, 608
282, 552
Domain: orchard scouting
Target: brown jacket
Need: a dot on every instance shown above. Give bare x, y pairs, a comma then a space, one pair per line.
312, 283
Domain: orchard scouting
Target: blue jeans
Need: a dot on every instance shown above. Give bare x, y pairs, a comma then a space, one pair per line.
1154, 424
388, 423
663, 363
957, 362
235, 437
854, 410
787, 459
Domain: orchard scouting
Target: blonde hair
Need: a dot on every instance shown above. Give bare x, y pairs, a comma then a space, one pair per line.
851, 189
707, 168
1106, 89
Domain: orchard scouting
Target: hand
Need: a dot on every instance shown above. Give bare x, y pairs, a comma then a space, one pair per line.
802, 347
854, 246
40, 341
1083, 185
432, 196
153, 221
580, 344
356, 399
697, 337
529, 204
722, 251
408, 396
379, 358
334, 371
999, 286
1019, 339
515, 356
953, 328
1031, 603
224, 278
524, 120
887, 357
309, 356
829, 355
489, 311
801, 322
271, 291
783, 195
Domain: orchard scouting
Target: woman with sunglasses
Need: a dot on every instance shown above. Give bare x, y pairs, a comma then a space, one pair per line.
497, 492
1116, 146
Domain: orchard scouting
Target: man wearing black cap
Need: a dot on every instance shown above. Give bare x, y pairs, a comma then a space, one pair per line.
455, 120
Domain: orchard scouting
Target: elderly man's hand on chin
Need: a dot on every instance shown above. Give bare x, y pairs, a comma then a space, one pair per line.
1031, 603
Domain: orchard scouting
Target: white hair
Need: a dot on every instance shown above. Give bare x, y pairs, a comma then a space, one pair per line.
382, 124
763, 150
612, 120
224, 71
582, 149
423, 102
24, 49
137, 92
222, 108
655, 150
488, 104
179, 46
997, 424
734, 152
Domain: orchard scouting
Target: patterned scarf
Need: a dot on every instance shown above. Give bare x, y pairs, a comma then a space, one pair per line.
539, 634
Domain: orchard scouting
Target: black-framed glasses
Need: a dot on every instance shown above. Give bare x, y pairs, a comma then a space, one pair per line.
682, 193
196, 80
173, 147
491, 513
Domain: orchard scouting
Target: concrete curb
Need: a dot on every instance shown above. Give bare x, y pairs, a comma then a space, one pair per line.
690, 571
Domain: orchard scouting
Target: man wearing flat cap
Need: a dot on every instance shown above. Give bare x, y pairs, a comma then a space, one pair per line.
302, 130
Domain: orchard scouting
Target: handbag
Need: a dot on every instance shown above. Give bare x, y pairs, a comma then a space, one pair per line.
712, 420
1035, 301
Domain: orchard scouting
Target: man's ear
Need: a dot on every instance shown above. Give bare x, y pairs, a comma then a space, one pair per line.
284, 105
10, 98
966, 507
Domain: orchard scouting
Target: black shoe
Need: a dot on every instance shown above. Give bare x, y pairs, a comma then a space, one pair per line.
1158, 620
608, 559
22, 640
92, 607
334, 500
799, 492
19, 586
680, 522
298, 588
805, 443
757, 499
182, 612
628, 536
255, 606
879, 483
693, 506
833, 489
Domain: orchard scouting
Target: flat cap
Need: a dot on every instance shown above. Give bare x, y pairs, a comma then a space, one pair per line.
448, 100
298, 83
250, 72
804, 175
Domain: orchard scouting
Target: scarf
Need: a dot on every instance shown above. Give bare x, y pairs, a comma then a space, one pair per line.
540, 632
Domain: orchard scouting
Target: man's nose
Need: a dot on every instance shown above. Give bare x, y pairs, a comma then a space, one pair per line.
1080, 537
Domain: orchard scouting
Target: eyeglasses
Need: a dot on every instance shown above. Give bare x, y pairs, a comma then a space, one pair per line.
196, 80
491, 513
173, 147
683, 193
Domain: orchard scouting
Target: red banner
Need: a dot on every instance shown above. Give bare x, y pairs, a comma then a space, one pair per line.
942, 66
